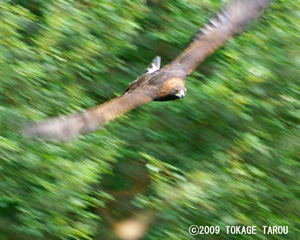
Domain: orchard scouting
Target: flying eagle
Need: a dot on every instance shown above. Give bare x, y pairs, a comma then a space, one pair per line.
156, 84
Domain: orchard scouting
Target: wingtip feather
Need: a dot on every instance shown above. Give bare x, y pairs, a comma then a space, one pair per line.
58, 128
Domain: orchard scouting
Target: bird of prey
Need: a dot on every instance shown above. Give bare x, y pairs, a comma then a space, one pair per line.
156, 84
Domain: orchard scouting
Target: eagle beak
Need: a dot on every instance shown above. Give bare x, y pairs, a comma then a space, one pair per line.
180, 94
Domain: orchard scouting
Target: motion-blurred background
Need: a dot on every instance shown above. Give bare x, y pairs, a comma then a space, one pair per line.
228, 154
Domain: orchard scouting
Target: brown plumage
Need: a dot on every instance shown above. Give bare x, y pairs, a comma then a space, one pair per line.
156, 84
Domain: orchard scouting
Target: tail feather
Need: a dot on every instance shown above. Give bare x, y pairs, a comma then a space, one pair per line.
155, 65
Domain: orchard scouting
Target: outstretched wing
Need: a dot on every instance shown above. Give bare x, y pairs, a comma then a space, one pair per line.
230, 21
66, 127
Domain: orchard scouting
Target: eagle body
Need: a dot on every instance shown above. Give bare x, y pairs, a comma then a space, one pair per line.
156, 84
165, 84
168, 83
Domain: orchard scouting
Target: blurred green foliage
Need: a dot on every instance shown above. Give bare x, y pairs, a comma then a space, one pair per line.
228, 154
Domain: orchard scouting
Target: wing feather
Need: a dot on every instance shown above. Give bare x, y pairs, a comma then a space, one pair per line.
66, 127
227, 23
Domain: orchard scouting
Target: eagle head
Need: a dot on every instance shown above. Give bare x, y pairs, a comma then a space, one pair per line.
173, 93
179, 91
